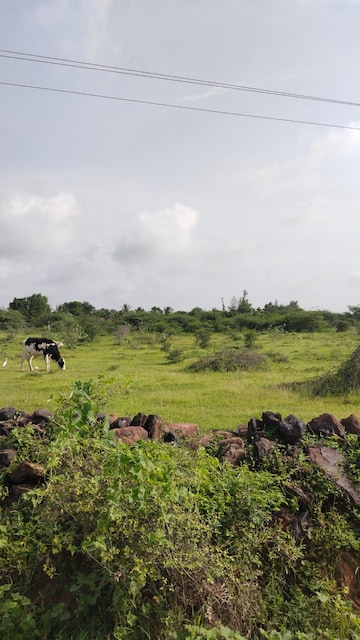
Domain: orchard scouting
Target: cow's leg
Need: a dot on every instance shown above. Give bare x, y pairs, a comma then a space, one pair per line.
29, 359
47, 362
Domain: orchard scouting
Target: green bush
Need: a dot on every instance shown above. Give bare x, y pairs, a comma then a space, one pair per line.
231, 360
159, 541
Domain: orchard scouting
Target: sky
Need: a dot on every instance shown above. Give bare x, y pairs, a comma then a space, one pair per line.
111, 199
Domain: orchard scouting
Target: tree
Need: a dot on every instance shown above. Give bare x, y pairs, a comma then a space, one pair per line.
11, 320
233, 304
271, 307
19, 304
293, 304
76, 308
168, 311
244, 306
38, 306
33, 308
202, 337
355, 311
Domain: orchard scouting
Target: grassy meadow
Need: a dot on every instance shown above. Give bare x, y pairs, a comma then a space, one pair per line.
143, 379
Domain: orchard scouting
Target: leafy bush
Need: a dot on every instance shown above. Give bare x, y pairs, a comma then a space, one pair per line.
159, 541
203, 337
343, 380
231, 360
250, 337
277, 356
175, 355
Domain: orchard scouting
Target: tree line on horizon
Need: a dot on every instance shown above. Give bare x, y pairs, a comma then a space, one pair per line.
84, 320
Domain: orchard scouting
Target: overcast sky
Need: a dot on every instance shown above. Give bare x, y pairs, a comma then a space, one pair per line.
119, 202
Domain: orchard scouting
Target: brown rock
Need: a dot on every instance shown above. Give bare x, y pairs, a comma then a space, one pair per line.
255, 430
262, 448
23, 420
225, 433
130, 435
270, 418
303, 498
181, 430
326, 425
332, 461
7, 413
203, 441
119, 422
346, 575
242, 430
231, 440
232, 452
26, 473
19, 489
6, 457
138, 420
4, 431
351, 424
154, 427
42, 416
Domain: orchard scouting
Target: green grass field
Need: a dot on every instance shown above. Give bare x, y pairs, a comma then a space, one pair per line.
144, 380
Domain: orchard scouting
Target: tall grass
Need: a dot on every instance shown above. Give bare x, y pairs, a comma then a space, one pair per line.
145, 380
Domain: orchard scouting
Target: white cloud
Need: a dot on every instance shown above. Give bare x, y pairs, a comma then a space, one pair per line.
32, 223
56, 209
172, 227
354, 278
152, 235
212, 91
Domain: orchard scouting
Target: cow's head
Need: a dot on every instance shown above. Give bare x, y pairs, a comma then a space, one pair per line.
61, 364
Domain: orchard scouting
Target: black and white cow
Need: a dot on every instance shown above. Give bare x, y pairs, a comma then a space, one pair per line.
33, 347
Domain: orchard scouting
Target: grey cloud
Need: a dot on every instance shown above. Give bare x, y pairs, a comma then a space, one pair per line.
118, 202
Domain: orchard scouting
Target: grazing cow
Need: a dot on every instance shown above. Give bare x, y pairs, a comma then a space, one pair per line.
34, 347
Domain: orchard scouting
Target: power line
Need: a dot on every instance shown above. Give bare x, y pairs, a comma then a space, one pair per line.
179, 106
32, 57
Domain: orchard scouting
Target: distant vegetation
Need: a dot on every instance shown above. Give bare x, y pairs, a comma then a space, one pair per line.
81, 322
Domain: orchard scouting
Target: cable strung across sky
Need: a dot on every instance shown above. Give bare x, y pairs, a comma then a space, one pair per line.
179, 106
78, 64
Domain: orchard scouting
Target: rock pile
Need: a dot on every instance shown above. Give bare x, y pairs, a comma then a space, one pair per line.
256, 438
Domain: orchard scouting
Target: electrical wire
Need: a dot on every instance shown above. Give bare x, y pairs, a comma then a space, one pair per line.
178, 106
32, 57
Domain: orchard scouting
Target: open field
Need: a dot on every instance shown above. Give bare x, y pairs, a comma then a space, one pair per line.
144, 380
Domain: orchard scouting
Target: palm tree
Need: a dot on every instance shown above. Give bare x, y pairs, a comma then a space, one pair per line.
126, 308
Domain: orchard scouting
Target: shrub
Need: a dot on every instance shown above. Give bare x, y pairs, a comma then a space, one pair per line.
122, 333
343, 380
203, 337
175, 355
231, 360
250, 337
159, 541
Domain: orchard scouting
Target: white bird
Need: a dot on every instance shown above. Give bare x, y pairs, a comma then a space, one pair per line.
5, 362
